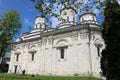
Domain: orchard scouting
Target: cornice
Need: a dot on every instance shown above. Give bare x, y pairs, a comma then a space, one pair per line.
63, 30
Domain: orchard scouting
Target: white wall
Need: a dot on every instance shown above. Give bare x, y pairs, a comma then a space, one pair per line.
47, 57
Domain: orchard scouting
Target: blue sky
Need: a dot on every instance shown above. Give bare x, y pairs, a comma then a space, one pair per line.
24, 7
27, 12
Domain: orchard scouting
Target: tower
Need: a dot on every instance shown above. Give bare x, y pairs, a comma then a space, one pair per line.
40, 23
67, 17
88, 18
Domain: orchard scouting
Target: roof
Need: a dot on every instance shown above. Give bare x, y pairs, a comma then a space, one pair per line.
67, 9
88, 13
63, 30
41, 17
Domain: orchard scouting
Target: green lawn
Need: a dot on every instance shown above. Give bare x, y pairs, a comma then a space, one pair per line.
29, 77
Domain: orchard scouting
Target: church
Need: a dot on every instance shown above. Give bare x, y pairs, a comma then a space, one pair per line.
70, 49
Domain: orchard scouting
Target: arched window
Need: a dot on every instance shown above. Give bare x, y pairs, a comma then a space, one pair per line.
73, 19
32, 53
93, 18
98, 45
40, 26
67, 18
62, 52
36, 26
82, 19
17, 57
98, 51
32, 56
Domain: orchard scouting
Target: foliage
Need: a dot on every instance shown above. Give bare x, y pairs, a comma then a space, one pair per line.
53, 7
110, 61
3, 68
28, 77
9, 26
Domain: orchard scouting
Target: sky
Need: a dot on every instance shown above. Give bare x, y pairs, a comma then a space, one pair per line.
24, 7
27, 12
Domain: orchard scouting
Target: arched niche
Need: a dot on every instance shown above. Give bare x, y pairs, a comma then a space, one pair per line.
98, 44
61, 46
17, 50
32, 48
61, 43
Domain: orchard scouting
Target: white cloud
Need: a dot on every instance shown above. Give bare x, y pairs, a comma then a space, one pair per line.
55, 22
119, 1
96, 11
27, 22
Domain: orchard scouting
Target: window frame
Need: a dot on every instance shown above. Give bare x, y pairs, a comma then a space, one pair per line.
98, 51
32, 54
67, 18
17, 57
62, 50
62, 53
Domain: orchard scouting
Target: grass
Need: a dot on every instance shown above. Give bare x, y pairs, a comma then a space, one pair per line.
29, 77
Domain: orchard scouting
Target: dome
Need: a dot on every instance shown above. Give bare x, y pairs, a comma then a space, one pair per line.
88, 18
40, 23
67, 17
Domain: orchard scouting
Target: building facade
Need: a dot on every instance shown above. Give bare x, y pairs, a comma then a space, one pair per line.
67, 50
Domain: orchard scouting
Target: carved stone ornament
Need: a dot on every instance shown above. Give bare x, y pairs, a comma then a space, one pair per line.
17, 49
50, 40
32, 48
44, 41
75, 35
39, 43
27, 45
14, 47
98, 43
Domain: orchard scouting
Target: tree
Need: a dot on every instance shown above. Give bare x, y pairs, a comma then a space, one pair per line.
9, 27
53, 7
110, 60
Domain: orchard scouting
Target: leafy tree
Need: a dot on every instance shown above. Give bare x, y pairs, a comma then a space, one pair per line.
53, 7
110, 60
4, 66
9, 26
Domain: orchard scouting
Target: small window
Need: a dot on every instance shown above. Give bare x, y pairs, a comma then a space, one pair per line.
98, 51
84, 35
67, 18
82, 19
36, 25
17, 57
93, 18
73, 19
40, 26
15, 70
32, 56
62, 53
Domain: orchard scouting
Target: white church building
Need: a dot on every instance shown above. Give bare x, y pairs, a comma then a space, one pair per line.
70, 49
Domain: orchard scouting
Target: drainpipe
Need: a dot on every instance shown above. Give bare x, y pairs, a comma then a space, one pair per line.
89, 46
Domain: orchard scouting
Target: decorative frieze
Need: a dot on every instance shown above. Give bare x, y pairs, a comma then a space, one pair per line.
50, 40
27, 45
84, 35
44, 41
14, 47
39, 43
74, 35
